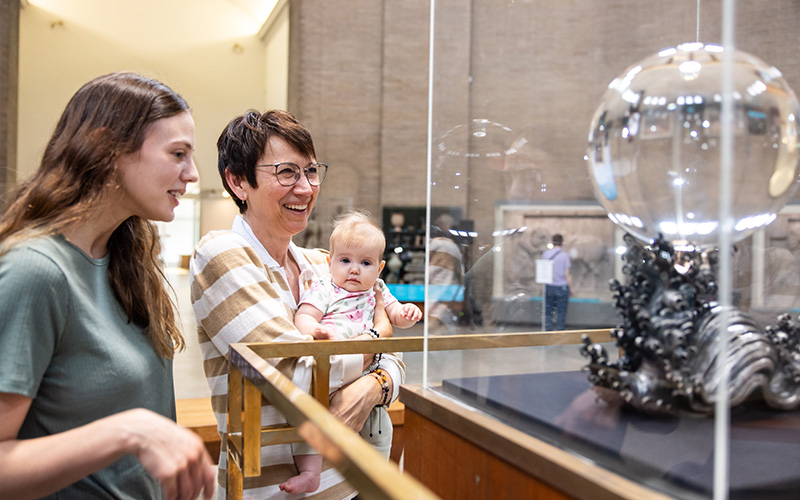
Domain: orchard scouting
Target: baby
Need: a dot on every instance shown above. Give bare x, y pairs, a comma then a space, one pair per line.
343, 307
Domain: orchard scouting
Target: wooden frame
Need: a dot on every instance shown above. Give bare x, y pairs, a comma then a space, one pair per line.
251, 376
459, 444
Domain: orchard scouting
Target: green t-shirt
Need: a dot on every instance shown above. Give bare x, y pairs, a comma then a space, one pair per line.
67, 343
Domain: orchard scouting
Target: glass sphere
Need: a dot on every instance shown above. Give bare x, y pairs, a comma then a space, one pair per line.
654, 145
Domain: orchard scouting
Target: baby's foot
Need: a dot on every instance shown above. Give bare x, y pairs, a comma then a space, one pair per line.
305, 482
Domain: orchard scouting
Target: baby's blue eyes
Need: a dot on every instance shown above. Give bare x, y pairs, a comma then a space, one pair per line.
365, 263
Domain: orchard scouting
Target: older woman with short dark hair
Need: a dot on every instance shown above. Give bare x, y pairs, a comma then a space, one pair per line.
247, 282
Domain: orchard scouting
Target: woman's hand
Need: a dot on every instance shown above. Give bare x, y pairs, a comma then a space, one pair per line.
351, 404
173, 455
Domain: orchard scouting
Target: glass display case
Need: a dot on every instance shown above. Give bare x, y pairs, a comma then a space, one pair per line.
516, 86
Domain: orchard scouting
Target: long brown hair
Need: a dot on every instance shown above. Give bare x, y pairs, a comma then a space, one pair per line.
107, 118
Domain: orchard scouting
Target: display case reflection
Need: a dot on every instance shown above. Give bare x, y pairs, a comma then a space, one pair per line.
500, 177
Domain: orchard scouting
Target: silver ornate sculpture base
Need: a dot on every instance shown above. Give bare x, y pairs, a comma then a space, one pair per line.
668, 339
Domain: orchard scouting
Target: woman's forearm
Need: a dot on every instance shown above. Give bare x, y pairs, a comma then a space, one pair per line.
352, 403
395, 370
380, 318
32, 468
174, 456
383, 326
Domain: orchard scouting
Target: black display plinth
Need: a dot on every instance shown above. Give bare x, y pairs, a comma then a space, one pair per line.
672, 454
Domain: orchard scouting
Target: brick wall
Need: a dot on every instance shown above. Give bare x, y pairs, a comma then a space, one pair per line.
335, 79
359, 80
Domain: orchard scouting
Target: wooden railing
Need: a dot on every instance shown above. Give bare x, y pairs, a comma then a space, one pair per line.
251, 376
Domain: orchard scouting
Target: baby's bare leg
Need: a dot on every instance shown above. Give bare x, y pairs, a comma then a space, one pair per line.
309, 468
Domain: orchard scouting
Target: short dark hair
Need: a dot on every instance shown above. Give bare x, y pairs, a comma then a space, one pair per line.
245, 138
558, 240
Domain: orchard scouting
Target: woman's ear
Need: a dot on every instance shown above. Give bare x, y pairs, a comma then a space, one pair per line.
237, 185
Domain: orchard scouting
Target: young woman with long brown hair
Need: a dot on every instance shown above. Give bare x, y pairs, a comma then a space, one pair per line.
88, 330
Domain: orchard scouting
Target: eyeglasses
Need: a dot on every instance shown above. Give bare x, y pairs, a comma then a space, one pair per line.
289, 173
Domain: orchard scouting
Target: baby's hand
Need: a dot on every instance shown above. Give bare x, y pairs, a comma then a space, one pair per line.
324, 332
411, 312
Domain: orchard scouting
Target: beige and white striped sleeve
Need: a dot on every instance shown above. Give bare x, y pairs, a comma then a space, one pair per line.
236, 299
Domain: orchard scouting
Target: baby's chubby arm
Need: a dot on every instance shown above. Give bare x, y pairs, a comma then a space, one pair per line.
308, 319
403, 315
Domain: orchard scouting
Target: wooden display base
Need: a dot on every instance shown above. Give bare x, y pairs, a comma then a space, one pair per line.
461, 454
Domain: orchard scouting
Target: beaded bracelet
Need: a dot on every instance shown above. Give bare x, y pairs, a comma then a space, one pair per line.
378, 356
380, 376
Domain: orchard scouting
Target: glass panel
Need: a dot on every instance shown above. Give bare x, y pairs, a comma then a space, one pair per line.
515, 133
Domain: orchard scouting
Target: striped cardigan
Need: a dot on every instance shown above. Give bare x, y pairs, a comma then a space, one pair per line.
240, 294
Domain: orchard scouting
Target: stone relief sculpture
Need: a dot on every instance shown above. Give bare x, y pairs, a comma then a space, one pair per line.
781, 265
590, 246
590, 262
